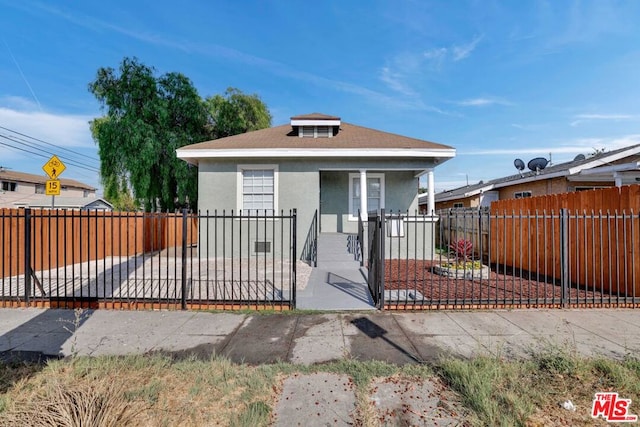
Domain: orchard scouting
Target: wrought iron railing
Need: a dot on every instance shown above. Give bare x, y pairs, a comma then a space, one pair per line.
474, 258
310, 250
67, 258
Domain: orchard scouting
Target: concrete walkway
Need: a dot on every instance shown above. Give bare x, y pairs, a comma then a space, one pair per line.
338, 283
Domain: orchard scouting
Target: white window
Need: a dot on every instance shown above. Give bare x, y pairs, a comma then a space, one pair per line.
257, 189
522, 194
458, 205
375, 193
40, 189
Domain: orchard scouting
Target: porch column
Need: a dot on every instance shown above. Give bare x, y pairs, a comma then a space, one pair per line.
364, 213
431, 193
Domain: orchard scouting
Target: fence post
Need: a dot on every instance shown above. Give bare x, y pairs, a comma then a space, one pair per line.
27, 255
381, 258
564, 255
294, 254
184, 259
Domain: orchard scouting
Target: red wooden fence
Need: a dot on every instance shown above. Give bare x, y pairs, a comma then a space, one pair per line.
63, 237
603, 229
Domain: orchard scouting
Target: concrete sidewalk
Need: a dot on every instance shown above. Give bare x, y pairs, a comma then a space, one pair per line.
320, 399
398, 338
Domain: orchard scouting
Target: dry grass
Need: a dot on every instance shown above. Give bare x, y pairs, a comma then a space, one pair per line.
159, 391
140, 391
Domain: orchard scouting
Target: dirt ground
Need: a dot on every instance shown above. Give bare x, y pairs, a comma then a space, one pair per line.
500, 288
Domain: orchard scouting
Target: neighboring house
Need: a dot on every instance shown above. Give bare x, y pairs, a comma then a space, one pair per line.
19, 189
607, 169
316, 163
78, 203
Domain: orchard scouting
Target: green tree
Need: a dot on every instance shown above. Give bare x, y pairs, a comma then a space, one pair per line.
147, 119
235, 112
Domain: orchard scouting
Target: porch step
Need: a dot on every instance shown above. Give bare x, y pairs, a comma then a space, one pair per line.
339, 250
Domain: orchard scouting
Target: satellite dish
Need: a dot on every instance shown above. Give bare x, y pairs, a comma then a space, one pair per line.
537, 164
579, 157
519, 164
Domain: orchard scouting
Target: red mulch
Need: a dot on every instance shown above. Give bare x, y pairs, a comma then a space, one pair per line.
498, 290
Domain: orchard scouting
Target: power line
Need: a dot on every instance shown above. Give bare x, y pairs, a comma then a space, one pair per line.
29, 144
84, 156
39, 154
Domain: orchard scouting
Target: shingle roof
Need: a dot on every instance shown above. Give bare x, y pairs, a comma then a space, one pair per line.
8, 175
283, 137
553, 170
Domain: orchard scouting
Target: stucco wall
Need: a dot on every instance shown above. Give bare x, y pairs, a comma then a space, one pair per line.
302, 186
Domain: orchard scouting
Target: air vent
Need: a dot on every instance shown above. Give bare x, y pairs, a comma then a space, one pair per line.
262, 247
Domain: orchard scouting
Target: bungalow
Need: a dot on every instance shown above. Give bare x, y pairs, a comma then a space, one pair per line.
317, 164
606, 169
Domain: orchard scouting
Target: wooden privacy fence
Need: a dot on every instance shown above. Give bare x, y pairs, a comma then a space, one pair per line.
57, 238
589, 239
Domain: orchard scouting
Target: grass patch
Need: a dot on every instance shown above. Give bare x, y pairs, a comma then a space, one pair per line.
156, 390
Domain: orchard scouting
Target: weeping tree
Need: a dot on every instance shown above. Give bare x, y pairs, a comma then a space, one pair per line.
235, 112
147, 118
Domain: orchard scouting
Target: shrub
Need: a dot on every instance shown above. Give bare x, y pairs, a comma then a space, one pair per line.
462, 250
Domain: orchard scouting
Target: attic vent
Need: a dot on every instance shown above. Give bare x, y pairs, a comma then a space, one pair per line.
315, 132
307, 131
322, 132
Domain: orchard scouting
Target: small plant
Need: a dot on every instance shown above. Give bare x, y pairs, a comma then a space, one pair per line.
462, 249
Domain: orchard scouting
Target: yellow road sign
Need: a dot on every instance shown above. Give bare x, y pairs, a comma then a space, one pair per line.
52, 188
54, 167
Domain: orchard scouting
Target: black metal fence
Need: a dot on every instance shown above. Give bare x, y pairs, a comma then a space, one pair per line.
478, 259
227, 260
376, 258
310, 250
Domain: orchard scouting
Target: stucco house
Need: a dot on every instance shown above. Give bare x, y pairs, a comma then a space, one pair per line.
20, 189
605, 169
316, 164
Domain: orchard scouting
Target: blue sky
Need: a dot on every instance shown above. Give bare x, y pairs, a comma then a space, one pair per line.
496, 80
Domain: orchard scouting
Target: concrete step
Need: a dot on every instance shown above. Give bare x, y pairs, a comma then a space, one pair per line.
337, 248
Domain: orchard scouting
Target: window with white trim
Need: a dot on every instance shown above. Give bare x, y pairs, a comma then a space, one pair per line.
375, 193
458, 205
257, 188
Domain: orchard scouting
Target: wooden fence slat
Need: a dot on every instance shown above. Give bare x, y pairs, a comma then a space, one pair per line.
63, 237
604, 246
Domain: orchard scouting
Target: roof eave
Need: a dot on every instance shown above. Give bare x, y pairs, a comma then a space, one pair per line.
194, 155
468, 194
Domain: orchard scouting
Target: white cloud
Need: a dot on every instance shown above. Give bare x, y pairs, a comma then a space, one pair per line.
605, 116
63, 131
483, 102
394, 81
574, 146
463, 51
582, 118
60, 129
438, 55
